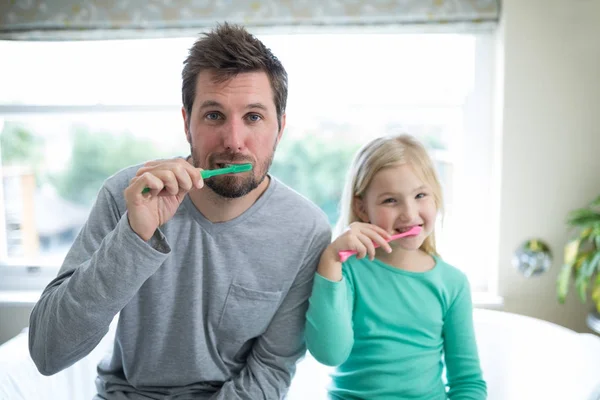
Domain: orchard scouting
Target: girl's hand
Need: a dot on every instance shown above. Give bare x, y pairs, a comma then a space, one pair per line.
169, 181
359, 237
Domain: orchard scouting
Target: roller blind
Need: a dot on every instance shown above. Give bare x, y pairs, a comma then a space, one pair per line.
110, 19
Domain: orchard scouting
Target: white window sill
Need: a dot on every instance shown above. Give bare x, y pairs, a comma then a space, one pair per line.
24, 298
487, 300
19, 298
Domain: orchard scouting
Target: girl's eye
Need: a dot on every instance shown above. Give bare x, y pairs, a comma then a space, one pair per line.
390, 200
421, 195
213, 116
254, 117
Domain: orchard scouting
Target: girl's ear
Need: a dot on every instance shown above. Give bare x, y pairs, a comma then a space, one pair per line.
359, 209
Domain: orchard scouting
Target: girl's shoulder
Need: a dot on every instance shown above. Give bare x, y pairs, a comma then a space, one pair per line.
450, 274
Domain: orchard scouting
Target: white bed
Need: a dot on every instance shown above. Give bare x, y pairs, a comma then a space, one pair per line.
522, 358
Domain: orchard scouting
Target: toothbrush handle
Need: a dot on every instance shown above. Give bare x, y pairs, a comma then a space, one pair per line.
346, 254
206, 173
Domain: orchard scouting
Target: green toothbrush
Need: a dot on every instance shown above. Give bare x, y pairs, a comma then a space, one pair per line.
207, 173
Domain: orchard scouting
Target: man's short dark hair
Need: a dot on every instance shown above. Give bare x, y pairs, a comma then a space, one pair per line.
227, 51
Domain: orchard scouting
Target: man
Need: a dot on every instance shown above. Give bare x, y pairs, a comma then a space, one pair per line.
211, 279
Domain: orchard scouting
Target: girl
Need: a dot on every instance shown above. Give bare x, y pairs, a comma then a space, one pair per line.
386, 317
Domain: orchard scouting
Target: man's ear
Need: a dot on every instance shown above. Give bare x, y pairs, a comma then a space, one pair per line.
358, 206
186, 125
280, 133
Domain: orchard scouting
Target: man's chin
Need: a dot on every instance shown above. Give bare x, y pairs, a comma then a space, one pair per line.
232, 190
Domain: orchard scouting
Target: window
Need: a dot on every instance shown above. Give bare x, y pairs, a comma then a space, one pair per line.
73, 113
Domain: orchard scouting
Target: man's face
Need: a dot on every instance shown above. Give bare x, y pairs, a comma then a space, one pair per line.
233, 122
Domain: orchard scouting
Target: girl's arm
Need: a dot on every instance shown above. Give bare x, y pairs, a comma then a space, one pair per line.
463, 370
329, 332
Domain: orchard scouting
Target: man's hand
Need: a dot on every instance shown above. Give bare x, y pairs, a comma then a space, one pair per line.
169, 181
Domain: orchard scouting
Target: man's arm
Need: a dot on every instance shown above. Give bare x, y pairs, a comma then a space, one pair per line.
103, 270
272, 360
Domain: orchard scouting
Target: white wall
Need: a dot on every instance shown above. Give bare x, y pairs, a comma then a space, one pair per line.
550, 132
12, 321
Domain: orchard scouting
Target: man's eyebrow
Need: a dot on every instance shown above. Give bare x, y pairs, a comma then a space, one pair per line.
257, 105
210, 104
216, 104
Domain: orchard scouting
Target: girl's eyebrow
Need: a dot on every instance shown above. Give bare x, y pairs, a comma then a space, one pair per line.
418, 189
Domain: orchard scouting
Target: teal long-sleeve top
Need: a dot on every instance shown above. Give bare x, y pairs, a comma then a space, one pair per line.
390, 332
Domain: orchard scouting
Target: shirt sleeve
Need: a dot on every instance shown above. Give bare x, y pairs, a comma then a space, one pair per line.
329, 330
463, 370
103, 270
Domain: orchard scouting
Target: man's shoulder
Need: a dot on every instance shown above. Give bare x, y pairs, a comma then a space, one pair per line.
294, 203
117, 182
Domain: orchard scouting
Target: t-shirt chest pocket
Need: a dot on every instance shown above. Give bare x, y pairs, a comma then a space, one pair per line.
247, 313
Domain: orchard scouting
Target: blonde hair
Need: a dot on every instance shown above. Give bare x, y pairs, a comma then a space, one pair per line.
381, 153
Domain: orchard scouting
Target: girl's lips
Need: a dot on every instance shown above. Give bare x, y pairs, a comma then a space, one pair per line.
407, 228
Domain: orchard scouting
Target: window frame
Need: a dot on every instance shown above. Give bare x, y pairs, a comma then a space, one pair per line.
29, 277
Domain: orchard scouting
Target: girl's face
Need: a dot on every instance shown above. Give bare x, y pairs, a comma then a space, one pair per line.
396, 200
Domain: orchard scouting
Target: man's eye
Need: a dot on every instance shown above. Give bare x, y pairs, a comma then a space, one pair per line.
212, 116
254, 117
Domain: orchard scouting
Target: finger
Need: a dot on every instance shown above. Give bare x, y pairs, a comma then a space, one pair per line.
147, 180
360, 248
180, 167
193, 174
382, 232
184, 177
376, 237
149, 166
367, 242
169, 180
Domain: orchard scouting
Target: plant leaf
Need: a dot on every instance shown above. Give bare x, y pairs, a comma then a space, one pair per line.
596, 292
584, 217
571, 249
596, 202
562, 282
581, 284
581, 258
586, 233
584, 275
591, 266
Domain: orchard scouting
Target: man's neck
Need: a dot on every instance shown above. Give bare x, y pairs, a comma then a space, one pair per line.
220, 209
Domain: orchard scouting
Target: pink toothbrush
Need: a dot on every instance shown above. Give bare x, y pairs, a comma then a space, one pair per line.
415, 230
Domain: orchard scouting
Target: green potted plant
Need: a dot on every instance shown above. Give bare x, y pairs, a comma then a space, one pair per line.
582, 259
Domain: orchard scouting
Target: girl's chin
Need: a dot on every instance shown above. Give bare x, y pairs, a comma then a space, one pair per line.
408, 242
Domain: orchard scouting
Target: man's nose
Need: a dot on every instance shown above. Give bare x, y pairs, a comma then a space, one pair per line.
234, 136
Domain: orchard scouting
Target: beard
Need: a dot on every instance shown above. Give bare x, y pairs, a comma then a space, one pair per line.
235, 185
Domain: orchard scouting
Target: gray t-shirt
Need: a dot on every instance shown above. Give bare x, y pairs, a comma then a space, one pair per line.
207, 310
